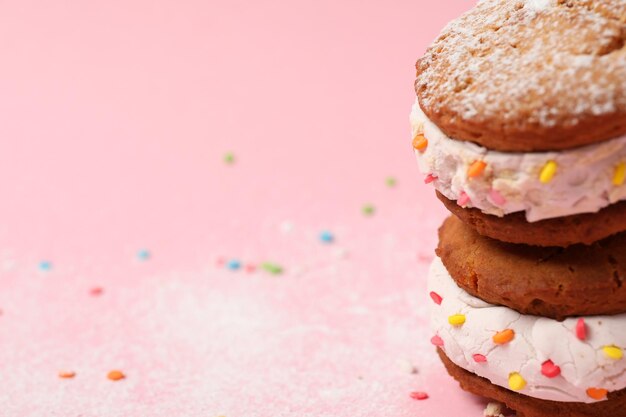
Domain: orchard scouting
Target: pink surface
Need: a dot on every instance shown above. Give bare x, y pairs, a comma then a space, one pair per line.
115, 117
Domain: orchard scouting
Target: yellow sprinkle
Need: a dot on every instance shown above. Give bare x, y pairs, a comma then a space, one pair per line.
620, 174
456, 320
548, 172
516, 382
613, 352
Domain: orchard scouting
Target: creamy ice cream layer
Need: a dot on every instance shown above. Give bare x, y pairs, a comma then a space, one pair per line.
544, 185
577, 360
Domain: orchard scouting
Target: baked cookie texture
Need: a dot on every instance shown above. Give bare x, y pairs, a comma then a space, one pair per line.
534, 75
550, 282
520, 125
561, 231
614, 406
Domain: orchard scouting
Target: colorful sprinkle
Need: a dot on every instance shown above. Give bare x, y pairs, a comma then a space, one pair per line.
613, 352
391, 182
420, 143
463, 200
368, 210
581, 329
497, 198
476, 168
430, 178
67, 374
478, 358
548, 172
327, 237
45, 266
233, 264
419, 396
516, 381
229, 158
457, 319
549, 369
272, 268
143, 255
620, 174
436, 297
250, 268
597, 393
503, 337
437, 341
96, 291
116, 375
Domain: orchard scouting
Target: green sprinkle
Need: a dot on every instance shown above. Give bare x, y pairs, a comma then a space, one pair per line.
368, 210
229, 158
272, 268
391, 182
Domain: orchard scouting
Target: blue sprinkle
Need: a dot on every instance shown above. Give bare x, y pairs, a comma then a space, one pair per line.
233, 265
143, 255
45, 265
327, 237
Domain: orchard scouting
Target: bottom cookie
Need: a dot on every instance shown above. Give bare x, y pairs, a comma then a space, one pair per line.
525, 406
562, 231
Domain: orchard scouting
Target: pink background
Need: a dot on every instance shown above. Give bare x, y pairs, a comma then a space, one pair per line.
114, 120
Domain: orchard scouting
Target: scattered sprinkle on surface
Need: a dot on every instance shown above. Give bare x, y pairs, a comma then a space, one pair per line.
391, 182
418, 395
233, 264
45, 266
229, 158
116, 375
368, 210
143, 255
67, 374
272, 268
326, 237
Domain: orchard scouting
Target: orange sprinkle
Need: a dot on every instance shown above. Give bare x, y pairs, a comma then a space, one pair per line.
505, 336
67, 374
420, 143
116, 375
597, 393
476, 169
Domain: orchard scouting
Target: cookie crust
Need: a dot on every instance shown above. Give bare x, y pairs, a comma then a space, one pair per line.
526, 406
529, 75
562, 231
550, 282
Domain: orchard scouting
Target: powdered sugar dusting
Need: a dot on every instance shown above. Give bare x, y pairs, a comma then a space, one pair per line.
542, 62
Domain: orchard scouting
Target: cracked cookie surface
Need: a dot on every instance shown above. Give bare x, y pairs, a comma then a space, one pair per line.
532, 75
551, 282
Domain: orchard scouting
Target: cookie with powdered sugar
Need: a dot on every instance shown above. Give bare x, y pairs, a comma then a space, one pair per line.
520, 119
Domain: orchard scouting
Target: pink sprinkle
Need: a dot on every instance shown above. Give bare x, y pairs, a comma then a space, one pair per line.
437, 341
436, 297
250, 268
419, 395
463, 199
549, 369
581, 329
221, 261
497, 198
96, 291
429, 178
478, 358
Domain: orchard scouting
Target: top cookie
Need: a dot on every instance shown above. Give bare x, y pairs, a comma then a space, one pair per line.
529, 75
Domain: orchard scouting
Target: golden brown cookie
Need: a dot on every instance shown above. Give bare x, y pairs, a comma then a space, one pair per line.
561, 231
550, 282
529, 75
614, 406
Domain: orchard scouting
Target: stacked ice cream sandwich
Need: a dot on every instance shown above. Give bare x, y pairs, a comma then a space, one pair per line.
520, 126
